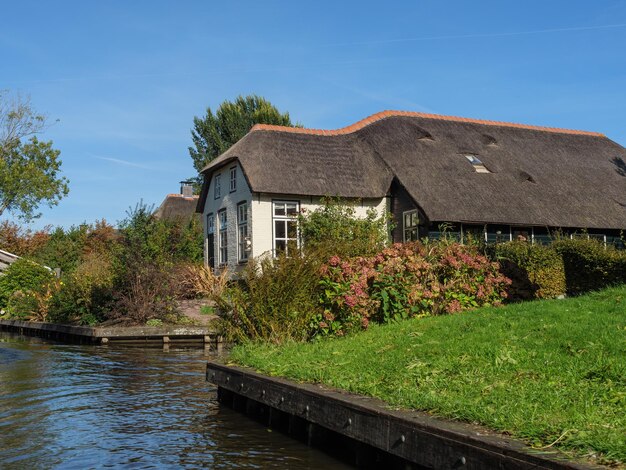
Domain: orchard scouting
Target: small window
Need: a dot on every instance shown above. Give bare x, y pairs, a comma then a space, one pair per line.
472, 233
598, 237
218, 186
243, 238
498, 233
521, 234
233, 179
477, 164
223, 237
410, 226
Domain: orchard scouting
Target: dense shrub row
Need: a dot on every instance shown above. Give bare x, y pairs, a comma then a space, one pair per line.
310, 295
566, 267
589, 266
403, 281
536, 271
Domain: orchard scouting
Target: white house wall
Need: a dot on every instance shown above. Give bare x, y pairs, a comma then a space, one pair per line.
262, 215
229, 201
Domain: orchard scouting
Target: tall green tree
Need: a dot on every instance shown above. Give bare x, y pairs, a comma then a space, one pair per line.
29, 168
213, 134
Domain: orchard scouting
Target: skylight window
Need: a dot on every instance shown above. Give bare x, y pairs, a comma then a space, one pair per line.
477, 164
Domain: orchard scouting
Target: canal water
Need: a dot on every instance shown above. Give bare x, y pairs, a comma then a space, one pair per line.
76, 406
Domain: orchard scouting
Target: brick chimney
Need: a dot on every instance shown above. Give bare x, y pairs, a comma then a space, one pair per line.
186, 188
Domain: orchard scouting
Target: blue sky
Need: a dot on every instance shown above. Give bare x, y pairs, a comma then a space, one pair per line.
126, 78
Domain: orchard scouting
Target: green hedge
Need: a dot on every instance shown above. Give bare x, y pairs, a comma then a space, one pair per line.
565, 267
537, 271
589, 265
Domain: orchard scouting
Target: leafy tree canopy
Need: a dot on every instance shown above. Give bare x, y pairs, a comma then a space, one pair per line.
29, 168
213, 134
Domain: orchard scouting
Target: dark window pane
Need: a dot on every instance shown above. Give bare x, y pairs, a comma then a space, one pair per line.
279, 208
279, 229
243, 213
292, 209
521, 234
280, 246
410, 235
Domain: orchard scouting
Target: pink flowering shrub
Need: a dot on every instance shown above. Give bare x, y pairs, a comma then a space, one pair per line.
403, 281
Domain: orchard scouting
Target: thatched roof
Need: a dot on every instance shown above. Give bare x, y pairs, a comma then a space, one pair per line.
539, 176
177, 206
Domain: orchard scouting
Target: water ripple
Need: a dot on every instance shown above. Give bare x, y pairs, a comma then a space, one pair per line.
66, 407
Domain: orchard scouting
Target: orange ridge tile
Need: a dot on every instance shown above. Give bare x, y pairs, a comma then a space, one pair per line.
389, 113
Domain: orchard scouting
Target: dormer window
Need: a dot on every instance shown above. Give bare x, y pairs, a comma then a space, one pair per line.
479, 166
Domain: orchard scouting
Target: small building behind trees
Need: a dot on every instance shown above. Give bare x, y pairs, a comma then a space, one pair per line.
181, 206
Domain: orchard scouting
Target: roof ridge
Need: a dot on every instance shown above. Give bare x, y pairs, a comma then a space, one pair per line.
182, 196
386, 114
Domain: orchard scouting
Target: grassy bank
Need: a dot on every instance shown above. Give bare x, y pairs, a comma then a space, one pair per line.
550, 372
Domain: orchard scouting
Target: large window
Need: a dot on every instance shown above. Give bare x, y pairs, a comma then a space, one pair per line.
285, 226
410, 225
223, 237
217, 192
243, 239
233, 179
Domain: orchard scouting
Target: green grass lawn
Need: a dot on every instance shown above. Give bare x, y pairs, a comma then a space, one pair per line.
550, 372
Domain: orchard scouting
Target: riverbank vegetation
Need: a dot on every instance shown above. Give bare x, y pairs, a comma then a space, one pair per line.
127, 275
550, 372
346, 278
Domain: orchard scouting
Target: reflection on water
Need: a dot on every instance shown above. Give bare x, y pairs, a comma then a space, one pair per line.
71, 406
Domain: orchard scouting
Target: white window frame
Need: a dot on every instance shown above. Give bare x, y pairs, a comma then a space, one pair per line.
222, 237
217, 190
411, 227
233, 179
285, 219
243, 235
